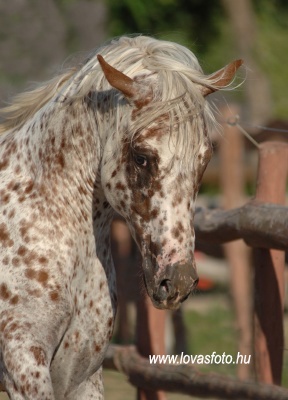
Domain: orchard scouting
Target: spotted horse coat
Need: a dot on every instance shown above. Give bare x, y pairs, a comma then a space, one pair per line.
127, 130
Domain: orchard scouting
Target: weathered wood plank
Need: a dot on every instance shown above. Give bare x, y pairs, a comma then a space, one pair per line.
185, 378
258, 224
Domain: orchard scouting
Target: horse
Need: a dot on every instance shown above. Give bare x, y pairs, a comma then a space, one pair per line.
125, 130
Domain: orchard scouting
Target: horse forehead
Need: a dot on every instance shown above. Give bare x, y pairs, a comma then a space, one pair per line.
153, 135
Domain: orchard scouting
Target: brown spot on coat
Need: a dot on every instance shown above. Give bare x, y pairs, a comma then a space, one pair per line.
22, 251
120, 186
54, 295
14, 300
11, 213
39, 355
4, 164
61, 160
5, 198
4, 235
4, 292
34, 292
16, 261
154, 213
5, 260
177, 230
42, 277
177, 199
43, 260
30, 273
29, 188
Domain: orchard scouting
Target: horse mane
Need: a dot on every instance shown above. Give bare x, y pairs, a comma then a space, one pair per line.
24, 105
178, 75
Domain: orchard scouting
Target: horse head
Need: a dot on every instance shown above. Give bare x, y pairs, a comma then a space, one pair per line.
153, 178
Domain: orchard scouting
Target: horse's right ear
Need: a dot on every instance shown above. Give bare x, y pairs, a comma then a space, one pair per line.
221, 78
117, 79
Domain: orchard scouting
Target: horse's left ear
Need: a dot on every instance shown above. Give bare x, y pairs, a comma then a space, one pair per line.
117, 79
221, 78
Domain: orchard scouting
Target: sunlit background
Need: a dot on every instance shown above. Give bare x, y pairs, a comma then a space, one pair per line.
40, 37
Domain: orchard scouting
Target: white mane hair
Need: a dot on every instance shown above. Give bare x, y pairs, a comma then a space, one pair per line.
174, 70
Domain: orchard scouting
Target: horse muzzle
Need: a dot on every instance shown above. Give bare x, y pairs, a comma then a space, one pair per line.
171, 286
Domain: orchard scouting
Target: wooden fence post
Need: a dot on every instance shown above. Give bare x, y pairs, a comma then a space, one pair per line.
231, 152
269, 270
150, 333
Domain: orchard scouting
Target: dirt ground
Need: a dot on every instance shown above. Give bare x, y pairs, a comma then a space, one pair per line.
117, 388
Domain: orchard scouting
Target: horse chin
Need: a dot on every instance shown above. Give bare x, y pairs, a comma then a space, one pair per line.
166, 305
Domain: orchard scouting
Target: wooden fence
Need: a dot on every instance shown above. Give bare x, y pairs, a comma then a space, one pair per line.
259, 224
263, 224
185, 378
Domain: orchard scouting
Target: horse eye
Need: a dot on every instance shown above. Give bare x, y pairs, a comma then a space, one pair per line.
140, 160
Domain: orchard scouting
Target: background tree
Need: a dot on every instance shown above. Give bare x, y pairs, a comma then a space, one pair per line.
218, 31
36, 36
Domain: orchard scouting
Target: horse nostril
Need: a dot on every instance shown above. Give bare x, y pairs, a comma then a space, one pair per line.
195, 283
164, 290
166, 285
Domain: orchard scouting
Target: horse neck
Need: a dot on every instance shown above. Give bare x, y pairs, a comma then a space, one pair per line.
66, 152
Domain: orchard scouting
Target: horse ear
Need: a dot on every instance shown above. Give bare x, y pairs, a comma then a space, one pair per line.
117, 79
221, 78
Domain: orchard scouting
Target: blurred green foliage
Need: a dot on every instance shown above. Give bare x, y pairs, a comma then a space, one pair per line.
215, 330
272, 52
181, 20
205, 28
222, 338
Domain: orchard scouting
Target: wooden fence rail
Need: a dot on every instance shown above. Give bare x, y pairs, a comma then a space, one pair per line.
185, 378
258, 224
